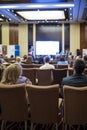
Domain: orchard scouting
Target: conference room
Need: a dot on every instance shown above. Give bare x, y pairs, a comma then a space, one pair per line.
34, 29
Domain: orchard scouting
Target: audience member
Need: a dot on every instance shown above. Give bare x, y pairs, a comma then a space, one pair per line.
29, 60
12, 75
18, 61
47, 65
62, 61
78, 78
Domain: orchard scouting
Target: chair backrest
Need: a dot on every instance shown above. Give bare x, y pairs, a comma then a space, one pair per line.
75, 106
30, 73
1, 73
24, 65
43, 103
70, 71
58, 75
62, 66
44, 76
37, 65
13, 102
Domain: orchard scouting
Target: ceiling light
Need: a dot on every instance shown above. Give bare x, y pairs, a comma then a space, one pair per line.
42, 15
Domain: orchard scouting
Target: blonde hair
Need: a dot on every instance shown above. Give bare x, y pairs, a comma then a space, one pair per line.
11, 74
18, 59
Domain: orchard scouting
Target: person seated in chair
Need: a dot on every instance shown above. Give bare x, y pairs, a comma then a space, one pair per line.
47, 65
12, 75
78, 78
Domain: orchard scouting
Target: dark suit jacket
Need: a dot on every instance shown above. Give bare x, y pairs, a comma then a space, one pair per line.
77, 80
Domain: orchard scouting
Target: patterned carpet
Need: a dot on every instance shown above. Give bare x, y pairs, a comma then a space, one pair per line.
20, 126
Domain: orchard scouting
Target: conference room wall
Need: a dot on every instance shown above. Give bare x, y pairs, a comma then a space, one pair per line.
23, 39
15, 35
77, 37
0, 34
83, 36
74, 37
5, 34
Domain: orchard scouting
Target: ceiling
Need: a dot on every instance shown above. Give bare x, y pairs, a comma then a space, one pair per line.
74, 10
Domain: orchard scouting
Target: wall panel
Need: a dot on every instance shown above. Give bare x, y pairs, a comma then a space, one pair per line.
83, 36
13, 34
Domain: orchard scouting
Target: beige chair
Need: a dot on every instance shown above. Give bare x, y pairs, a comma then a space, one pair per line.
75, 106
44, 76
24, 65
58, 75
62, 66
30, 73
37, 65
14, 106
44, 104
70, 71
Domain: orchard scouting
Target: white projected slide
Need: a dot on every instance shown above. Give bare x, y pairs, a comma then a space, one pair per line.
47, 47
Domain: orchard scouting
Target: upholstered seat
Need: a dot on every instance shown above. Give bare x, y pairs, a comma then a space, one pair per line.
44, 76
75, 106
58, 75
14, 105
44, 104
30, 73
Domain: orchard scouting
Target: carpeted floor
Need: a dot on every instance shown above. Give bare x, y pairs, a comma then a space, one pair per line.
20, 126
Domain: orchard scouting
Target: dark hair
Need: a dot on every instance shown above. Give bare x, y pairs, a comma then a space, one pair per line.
79, 66
62, 59
46, 59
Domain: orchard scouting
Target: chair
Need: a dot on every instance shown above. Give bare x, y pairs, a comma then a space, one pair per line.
30, 73
62, 66
58, 75
43, 104
13, 103
1, 73
70, 71
75, 106
44, 76
37, 65
24, 65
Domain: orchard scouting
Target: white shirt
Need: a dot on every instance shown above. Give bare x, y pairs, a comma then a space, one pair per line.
47, 66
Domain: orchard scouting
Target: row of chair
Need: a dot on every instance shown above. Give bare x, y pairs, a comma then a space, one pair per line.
44, 104
57, 66
45, 76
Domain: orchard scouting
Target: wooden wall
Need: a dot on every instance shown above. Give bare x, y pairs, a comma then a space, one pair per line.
9, 35
83, 36
0, 35
13, 34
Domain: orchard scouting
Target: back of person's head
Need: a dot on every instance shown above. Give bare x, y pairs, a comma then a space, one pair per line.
29, 59
11, 74
25, 57
46, 59
79, 66
12, 56
62, 59
18, 59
